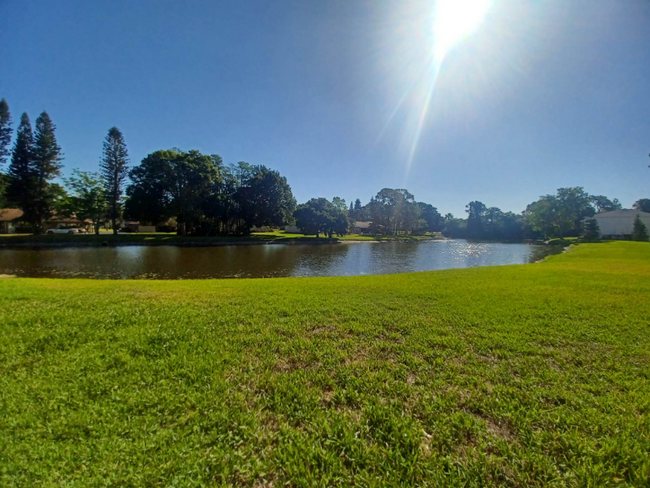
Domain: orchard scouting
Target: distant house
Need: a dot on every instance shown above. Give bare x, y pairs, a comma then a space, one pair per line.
8, 219
56, 222
361, 227
619, 223
263, 228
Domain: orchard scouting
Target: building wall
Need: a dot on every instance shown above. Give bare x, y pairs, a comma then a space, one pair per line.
620, 225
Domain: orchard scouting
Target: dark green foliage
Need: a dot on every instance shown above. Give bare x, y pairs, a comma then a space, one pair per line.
319, 215
264, 198
393, 211
592, 230
475, 216
639, 231
643, 205
5, 131
358, 212
46, 165
432, 218
114, 171
171, 183
4, 182
604, 204
22, 178
486, 224
560, 215
87, 199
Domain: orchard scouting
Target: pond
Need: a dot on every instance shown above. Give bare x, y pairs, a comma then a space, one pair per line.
262, 261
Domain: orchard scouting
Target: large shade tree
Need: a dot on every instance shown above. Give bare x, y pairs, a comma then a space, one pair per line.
475, 216
264, 198
604, 204
171, 183
319, 215
561, 214
393, 210
642, 204
547, 216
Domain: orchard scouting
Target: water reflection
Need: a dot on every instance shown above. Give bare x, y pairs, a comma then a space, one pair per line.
169, 262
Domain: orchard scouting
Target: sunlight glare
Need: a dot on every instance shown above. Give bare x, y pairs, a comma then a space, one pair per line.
454, 20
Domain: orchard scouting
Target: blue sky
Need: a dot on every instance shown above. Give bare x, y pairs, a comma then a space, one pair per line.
543, 94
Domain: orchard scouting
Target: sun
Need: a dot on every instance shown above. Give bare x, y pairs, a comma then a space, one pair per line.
454, 20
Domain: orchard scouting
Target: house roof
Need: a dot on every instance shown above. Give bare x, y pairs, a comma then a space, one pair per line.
363, 225
69, 219
615, 214
9, 214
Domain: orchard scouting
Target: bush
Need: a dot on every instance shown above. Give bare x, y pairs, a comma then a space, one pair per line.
640, 231
592, 231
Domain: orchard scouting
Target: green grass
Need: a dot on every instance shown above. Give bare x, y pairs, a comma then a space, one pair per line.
534, 375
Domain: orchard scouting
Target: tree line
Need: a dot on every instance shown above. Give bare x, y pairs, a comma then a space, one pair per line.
197, 194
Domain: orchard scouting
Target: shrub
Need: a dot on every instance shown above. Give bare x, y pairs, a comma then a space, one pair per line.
639, 231
592, 231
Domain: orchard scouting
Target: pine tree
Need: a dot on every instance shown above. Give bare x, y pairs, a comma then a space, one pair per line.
592, 230
5, 131
639, 231
20, 190
46, 165
114, 170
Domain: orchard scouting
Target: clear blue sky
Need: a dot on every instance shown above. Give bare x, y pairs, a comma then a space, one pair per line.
543, 94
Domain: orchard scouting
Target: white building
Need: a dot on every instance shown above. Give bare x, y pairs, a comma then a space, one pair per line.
620, 223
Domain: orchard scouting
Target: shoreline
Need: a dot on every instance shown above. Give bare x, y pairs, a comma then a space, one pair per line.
55, 242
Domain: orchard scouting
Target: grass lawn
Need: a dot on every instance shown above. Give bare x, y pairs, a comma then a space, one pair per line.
534, 375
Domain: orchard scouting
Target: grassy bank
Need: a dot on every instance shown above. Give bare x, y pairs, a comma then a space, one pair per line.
165, 239
535, 375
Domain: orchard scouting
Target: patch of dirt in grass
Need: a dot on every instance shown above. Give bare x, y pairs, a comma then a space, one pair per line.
291, 364
553, 365
327, 397
263, 484
425, 444
498, 429
490, 359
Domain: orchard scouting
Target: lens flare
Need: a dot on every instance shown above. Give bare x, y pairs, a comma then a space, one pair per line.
454, 20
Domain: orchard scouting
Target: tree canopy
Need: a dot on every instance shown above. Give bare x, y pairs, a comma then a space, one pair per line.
642, 204
319, 215
87, 199
205, 196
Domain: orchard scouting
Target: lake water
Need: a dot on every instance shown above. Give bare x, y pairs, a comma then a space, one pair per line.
261, 261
